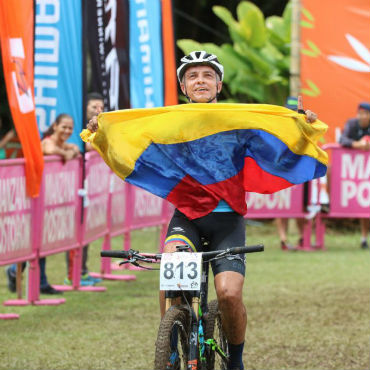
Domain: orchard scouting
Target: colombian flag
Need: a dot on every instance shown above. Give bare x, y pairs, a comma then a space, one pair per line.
194, 155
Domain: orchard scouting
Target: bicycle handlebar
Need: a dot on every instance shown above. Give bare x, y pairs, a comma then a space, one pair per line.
235, 250
115, 254
205, 255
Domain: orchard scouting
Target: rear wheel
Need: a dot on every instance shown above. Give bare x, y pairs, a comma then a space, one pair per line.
217, 352
172, 345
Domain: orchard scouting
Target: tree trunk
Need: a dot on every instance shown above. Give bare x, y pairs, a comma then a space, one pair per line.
295, 59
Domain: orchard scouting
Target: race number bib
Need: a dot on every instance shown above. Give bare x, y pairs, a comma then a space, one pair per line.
180, 271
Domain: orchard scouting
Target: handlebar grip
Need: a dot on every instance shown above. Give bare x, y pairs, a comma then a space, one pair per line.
248, 249
114, 254
234, 250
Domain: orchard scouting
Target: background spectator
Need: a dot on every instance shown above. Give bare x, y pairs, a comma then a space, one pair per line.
5, 137
55, 138
356, 135
94, 105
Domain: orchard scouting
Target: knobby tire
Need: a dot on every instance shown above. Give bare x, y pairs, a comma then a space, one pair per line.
214, 330
176, 316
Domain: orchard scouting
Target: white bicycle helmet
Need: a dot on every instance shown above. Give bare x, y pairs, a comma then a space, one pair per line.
200, 58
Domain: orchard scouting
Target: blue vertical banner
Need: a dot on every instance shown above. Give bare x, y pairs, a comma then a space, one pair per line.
146, 60
58, 63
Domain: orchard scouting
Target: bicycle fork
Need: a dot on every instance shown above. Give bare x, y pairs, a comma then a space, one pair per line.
173, 298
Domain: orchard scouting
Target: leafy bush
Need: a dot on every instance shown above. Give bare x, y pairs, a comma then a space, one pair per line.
257, 62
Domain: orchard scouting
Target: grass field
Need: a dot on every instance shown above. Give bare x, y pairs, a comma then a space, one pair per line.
305, 311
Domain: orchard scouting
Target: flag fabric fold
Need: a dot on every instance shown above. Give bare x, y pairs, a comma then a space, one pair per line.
194, 155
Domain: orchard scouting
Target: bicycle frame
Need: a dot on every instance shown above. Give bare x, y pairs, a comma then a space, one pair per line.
199, 298
196, 301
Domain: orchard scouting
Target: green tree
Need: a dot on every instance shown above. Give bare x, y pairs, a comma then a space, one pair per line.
257, 62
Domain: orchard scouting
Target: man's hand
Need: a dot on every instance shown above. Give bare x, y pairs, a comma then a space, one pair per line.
310, 116
93, 124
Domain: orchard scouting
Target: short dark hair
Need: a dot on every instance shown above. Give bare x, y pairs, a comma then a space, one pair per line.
94, 96
364, 105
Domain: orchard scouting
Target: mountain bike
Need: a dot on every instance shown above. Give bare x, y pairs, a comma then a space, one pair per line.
190, 335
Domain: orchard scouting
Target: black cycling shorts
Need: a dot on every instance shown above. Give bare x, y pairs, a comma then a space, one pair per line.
220, 230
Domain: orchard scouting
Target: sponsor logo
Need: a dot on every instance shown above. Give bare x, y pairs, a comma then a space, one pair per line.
142, 24
355, 175
47, 59
22, 90
177, 229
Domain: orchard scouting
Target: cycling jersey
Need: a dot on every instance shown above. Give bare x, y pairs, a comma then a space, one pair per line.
223, 206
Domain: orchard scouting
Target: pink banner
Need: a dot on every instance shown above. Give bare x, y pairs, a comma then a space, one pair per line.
285, 203
349, 183
148, 209
118, 190
97, 182
60, 205
17, 214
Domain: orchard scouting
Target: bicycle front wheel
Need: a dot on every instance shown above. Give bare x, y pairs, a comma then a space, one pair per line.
217, 351
172, 345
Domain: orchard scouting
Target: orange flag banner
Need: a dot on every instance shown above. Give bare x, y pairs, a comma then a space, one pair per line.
168, 40
335, 59
16, 37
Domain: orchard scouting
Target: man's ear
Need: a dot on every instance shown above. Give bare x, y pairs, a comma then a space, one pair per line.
219, 86
182, 87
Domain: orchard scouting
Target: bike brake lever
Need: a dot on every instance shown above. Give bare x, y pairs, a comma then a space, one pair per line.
124, 262
143, 267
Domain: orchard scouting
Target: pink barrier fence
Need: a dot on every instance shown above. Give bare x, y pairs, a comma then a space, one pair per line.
349, 187
59, 206
350, 196
20, 232
52, 223
96, 184
141, 210
285, 203
17, 229
17, 220
118, 190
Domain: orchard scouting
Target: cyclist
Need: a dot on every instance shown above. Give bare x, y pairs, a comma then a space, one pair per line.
200, 76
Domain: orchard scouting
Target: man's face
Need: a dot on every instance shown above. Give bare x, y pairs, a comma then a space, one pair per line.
94, 107
201, 83
363, 115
